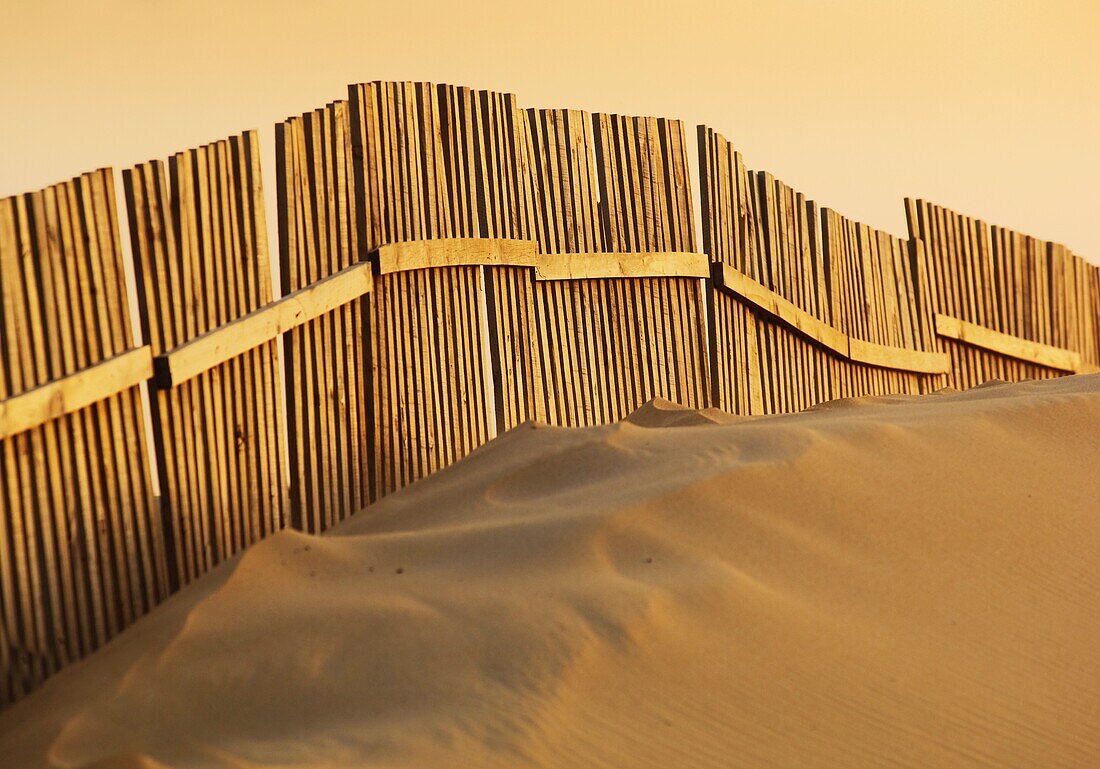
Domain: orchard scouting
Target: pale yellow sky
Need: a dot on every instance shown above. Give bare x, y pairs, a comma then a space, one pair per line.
990, 107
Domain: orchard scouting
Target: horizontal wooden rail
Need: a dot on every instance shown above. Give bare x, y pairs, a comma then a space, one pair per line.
817, 330
1010, 346
76, 391
900, 358
464, 252
654, 264
227, 342
504, 252
456, 252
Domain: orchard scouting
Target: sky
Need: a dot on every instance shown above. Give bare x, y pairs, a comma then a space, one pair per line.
990, 107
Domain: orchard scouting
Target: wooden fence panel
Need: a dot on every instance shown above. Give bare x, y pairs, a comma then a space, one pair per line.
603, 347
646, 205
871, 288
770, 233
571, 317
796, 373
1007, 282
485, 144
430, 396
729, 237
326, 363
1088, 309
81, 553
882, 298
200, 250
442, 161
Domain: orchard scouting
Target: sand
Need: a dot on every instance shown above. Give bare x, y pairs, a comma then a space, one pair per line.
889, 582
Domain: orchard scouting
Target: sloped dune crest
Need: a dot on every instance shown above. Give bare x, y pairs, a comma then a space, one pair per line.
892, 582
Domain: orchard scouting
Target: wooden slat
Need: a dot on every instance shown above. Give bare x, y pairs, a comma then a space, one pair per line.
498, 252
1010, 346
418, 159
456, 252
604, 346
898, 358
233, 339
581, 266
572, 322
781, 309
76, 391
326, 363
729, 229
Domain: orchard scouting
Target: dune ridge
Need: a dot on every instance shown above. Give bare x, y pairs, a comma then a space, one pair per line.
882, 582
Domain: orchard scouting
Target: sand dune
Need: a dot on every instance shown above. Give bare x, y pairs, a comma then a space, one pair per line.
891, 582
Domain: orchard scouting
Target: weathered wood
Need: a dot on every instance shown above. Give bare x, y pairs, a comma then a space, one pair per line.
1010, 346
76, 391
562, 205
456, 252
666, 264
793, 317
529, 264
651, 331
419, 152
81, 547
1021, 295
775, 306
326, 364
500, 252
229, 341
898, 358
200, 255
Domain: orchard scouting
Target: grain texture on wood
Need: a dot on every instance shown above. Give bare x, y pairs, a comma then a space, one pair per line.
782, 310
457, 252
76, 391
668, 264
224, 343
325, 361
81, 547
899, 358
1007, 345
199, 236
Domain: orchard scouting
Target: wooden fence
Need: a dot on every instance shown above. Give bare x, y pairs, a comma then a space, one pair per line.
326, 363
451, 265
817, 306
1007, 305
